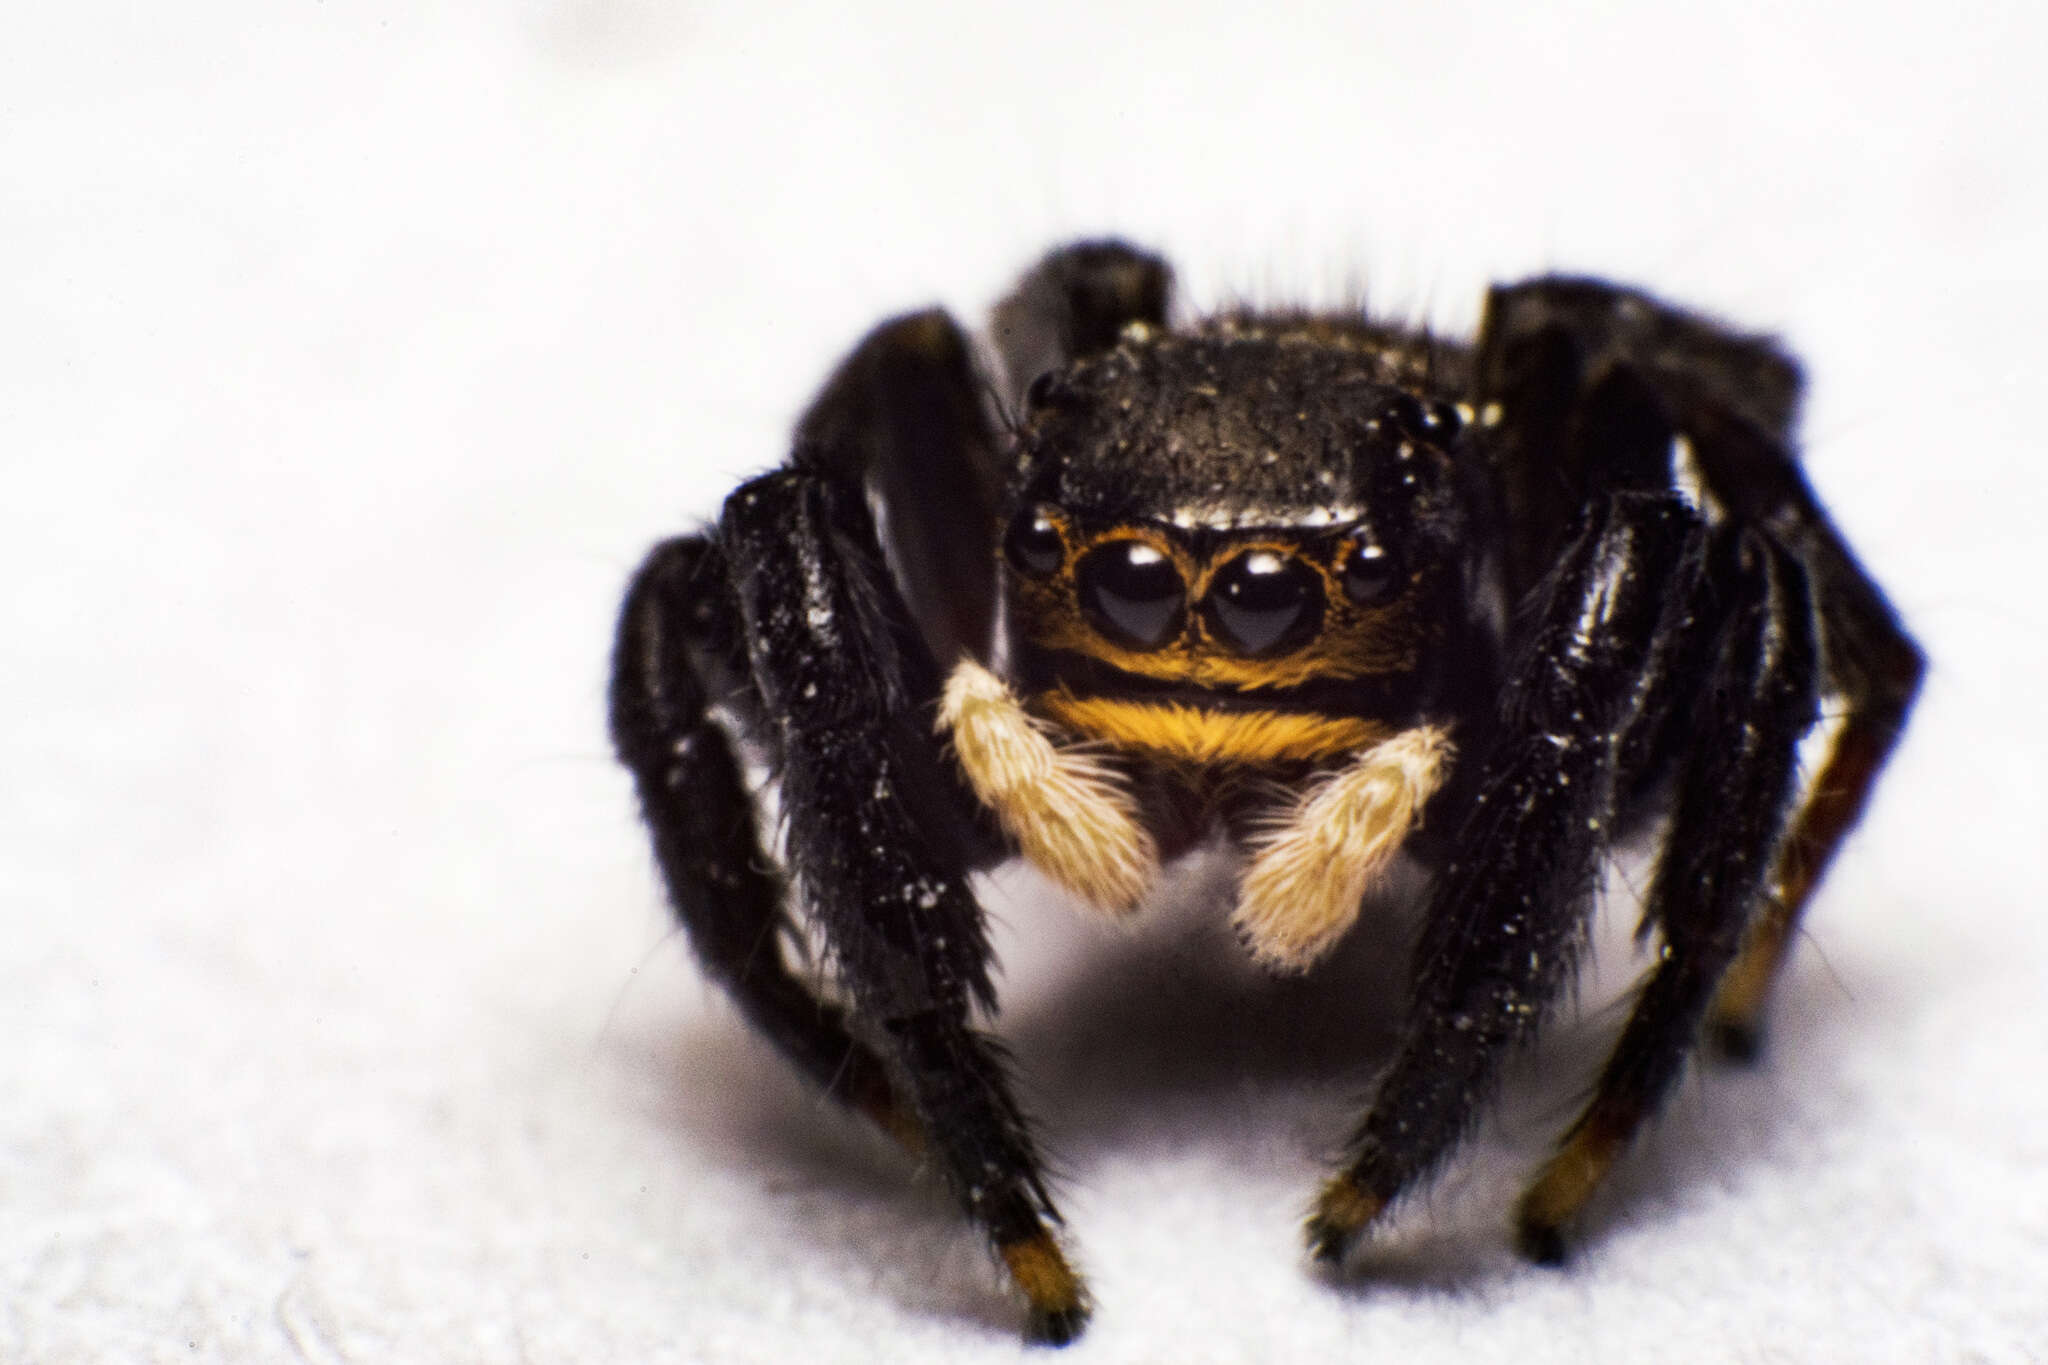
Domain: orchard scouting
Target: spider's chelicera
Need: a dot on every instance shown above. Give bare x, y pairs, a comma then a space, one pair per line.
1496, 605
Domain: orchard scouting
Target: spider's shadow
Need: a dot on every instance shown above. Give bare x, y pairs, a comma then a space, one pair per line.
1166, 1029
1169, 1036
1164, 1035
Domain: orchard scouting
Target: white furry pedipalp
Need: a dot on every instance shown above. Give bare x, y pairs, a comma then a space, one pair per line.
1068, 813
1309, 874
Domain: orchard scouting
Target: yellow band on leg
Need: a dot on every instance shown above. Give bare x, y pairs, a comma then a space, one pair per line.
1567, 1181
1344, 1209
1059, 1303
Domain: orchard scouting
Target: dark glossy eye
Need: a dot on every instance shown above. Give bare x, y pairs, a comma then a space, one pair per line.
1132, 593
1265, 602
1428, 421
1371, 573
1443, 422
1033, 543
1406, 412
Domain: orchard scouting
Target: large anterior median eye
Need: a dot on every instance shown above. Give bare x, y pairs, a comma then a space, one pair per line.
1265, 602
1132, 593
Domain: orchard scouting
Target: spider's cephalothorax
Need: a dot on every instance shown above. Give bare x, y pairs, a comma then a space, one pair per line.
1332, 588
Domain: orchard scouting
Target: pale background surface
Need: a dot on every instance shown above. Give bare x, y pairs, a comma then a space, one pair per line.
353, 353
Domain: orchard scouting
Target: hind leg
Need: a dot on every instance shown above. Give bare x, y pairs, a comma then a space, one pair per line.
676, 655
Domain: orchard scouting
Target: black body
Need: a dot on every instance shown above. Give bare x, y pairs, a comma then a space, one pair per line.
1506, 532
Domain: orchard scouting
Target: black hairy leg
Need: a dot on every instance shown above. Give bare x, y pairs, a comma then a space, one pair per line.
1750, 704
1075, 302
1507, 915
879, 847
1871, 674
1605, 388
1734, 398
677, 655
839, 690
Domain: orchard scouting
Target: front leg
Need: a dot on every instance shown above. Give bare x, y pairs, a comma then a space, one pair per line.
881, 839
1508, 916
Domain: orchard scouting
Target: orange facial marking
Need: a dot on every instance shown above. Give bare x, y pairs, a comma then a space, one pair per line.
1194, 735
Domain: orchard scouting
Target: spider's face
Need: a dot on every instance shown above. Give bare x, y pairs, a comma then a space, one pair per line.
1207, 531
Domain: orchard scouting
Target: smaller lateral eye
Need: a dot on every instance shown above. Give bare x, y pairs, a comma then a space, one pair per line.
1443, 422
1033, 543
1371, 573
1427, 420
1040, 391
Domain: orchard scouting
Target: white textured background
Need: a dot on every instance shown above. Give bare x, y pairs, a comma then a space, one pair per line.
350, 354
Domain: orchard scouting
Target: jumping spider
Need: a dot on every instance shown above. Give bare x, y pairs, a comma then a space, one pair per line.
1498, 605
